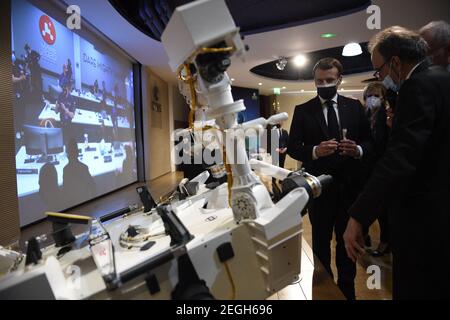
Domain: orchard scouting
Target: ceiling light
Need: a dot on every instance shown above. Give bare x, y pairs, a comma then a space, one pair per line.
260, 84
351, 50
232, 79
281, 63
328, 35
299, 60
284, 88
276, 91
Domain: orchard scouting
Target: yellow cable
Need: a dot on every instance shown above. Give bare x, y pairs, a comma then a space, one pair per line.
193, 106
233, 287
68, 216
229, 176
216, 50
190, 79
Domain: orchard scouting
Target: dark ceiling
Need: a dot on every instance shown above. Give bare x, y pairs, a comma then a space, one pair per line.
252, 16
351, 65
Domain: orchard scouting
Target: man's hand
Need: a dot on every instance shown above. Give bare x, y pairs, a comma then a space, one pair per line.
354, 239
326, 148
282, 150
348, 148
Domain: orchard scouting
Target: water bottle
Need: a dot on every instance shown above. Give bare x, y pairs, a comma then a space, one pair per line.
102, 147
86, 141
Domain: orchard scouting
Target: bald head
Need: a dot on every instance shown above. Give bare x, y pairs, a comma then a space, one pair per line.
437, 35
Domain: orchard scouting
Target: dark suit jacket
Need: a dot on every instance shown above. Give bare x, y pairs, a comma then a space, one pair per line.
309, 129
380, 132
284, 139
414, 173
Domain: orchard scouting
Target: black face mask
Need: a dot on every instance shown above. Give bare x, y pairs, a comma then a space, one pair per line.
327, 93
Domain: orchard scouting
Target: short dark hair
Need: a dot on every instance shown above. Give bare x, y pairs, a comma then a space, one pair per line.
327, 64
406, 44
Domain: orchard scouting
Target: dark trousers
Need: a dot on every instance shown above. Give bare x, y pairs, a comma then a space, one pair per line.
420, 274
282, 158
67, 132
328, 213
115, 123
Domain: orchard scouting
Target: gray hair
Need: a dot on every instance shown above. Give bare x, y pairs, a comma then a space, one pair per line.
406, 44
439, 32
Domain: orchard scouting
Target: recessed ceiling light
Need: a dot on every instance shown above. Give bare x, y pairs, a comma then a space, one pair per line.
299, 60
351, 50
328, 35
302, 90
284, 88
260, 84
232, 79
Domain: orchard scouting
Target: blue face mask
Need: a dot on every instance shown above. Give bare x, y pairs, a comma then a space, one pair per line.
389, 84
373, 102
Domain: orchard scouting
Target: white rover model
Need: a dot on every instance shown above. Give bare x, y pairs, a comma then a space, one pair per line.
231, 242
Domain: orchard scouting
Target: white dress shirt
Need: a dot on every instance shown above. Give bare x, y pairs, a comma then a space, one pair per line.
325, 114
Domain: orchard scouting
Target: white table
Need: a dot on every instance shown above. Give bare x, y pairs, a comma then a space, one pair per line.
84, 117
92, 98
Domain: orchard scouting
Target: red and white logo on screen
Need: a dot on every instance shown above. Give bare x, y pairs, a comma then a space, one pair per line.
47, 29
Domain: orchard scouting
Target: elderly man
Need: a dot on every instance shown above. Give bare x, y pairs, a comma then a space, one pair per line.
437, 35
413, 175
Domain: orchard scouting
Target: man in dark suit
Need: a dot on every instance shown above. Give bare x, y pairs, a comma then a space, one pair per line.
330, 134
414, 173
32, 59
283, 139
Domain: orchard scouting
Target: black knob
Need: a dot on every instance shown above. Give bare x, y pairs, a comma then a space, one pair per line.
34, 253
132, 232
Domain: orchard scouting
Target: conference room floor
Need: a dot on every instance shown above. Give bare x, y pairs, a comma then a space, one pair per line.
323, 287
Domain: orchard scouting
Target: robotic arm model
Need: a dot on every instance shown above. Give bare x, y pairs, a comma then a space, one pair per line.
199, 40
247, 248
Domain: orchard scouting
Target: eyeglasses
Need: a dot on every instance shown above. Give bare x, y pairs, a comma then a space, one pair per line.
378, 70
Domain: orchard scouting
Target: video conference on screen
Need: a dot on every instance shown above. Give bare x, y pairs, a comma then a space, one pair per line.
73, 115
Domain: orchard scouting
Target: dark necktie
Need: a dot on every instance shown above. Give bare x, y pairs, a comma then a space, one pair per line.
333, 125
